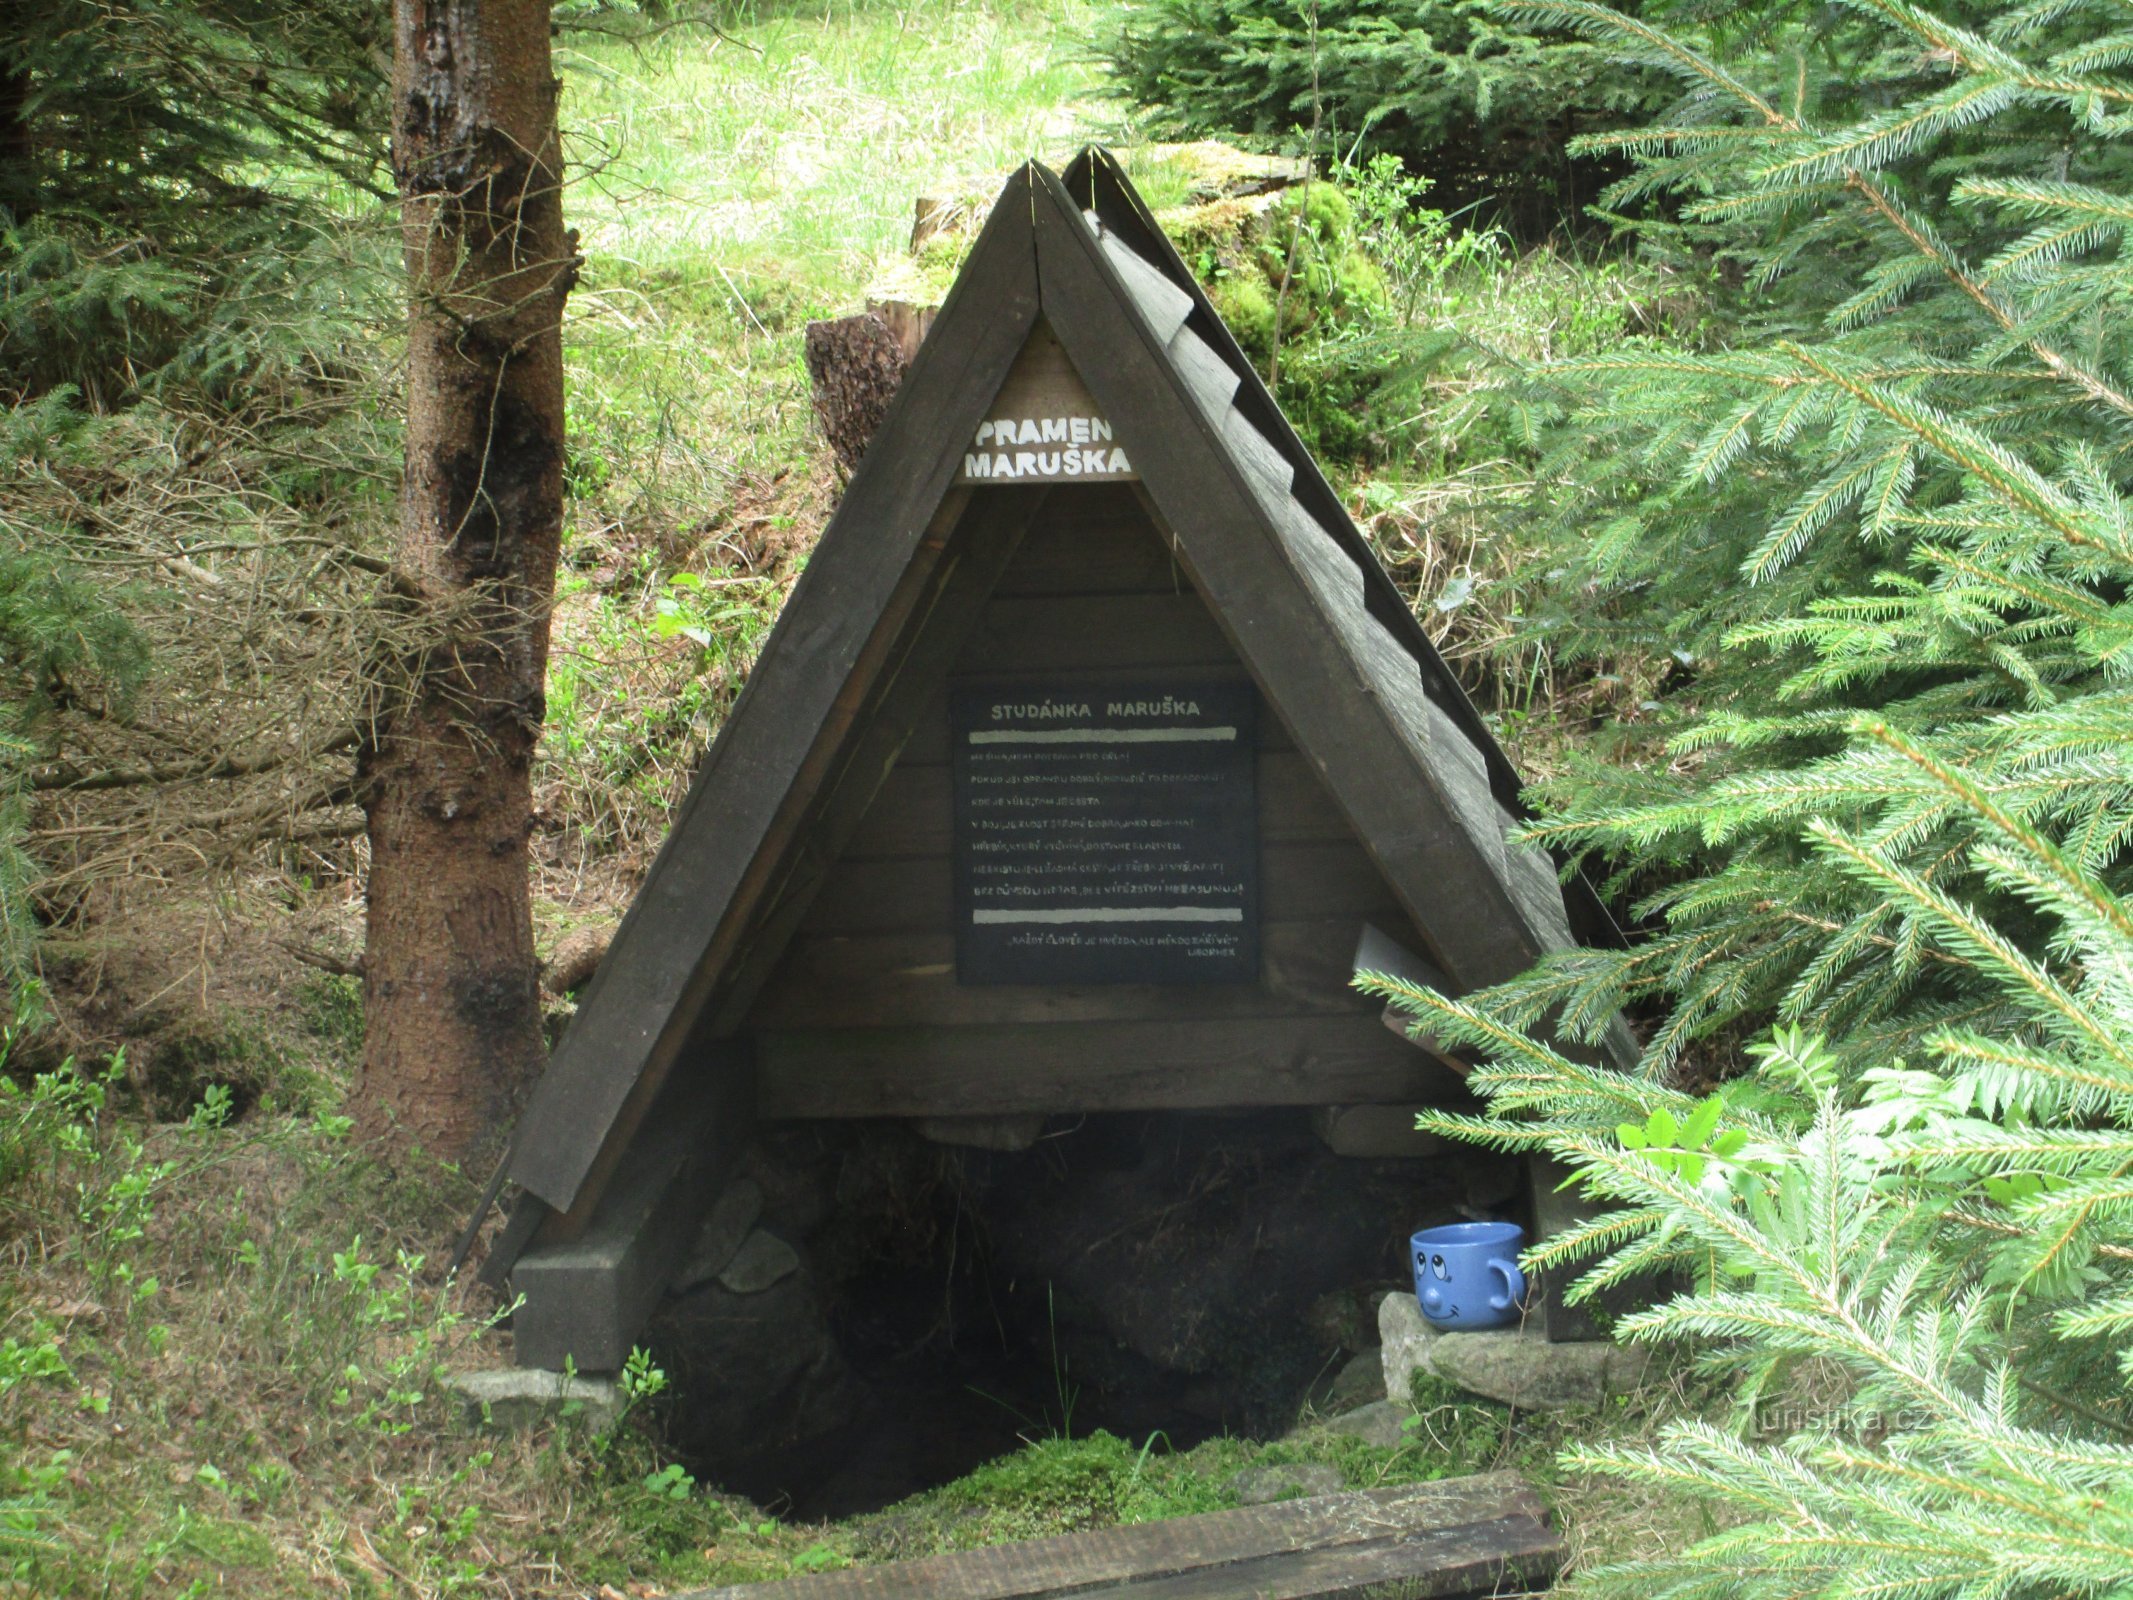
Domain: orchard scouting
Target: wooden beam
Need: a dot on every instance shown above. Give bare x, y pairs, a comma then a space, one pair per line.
587, 1298
908, 980
1062, 1068
986, 538
1378, 951
1459, 1536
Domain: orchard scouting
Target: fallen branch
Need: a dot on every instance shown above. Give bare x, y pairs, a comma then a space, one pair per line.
50, 778
325, 960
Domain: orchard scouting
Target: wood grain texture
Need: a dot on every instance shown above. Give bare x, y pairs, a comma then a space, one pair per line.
915, 894
1094, 541
784, 733
1303, 658
1094, 181
1042, 383
1121, 631
986, 539
910, 816
908, 980
1457, 1536
1091, 1066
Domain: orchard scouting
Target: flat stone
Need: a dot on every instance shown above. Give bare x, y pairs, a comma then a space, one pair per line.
1360, 1382
1380, 1423
719, 1240
513, 1399
1264, 1483
1512, 1366
762, 1260
1404, 1340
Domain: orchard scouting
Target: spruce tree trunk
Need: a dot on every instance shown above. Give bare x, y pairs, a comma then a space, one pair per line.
18, 169
450, 992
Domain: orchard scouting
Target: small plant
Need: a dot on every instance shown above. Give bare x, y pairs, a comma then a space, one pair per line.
670, 1482
723, 615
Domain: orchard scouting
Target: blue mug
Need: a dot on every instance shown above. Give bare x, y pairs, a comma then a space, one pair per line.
1466, 1274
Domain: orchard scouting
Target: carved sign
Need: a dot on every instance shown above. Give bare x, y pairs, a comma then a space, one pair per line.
1106, 835
1044, 426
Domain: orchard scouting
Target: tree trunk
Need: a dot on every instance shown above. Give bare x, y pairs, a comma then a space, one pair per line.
449, 971
18, 155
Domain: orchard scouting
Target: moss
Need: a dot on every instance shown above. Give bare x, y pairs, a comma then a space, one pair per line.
1245, 302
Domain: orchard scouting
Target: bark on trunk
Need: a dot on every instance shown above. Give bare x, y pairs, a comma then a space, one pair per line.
449, 970
855, 366
18, 155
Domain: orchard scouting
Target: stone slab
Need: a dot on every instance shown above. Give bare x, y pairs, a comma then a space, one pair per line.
719, 1240
512, 1399
1381, 1423
762, 1260
1513, 1366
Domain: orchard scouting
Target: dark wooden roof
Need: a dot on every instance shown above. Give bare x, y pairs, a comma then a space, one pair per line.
1265, 540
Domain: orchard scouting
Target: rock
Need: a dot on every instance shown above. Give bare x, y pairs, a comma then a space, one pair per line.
1348, 1317
1379, 1423
513, 1398
751, 1374
1513, 1366
719, 1240
1361, 1381
1403, 1342
762, 1260
1263, 1483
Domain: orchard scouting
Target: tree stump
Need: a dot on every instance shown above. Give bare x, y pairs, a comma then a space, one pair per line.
854, 365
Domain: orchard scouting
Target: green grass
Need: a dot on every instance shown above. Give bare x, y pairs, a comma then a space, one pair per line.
730, 189
726, 191
244, 1398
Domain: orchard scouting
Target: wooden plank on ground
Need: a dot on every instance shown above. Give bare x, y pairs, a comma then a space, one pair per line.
1460, 1536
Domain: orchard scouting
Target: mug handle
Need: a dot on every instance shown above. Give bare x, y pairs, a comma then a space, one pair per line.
1514, 1284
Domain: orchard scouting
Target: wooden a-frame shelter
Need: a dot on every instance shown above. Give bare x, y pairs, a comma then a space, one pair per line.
783, 960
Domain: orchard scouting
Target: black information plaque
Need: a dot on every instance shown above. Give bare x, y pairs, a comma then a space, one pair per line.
1106, 835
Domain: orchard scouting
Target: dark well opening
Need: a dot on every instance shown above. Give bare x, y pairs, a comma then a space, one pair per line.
1188, 1273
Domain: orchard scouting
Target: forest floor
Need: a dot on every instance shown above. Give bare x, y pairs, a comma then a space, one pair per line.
221, 1327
